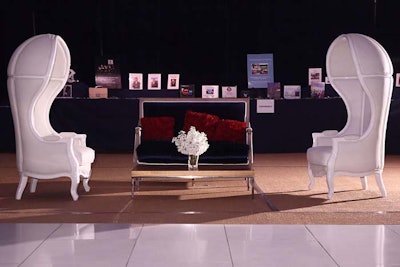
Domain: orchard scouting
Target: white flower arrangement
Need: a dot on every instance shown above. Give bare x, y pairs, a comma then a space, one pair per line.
191, 143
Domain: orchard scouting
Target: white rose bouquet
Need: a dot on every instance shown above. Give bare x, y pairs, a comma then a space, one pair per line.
191, 143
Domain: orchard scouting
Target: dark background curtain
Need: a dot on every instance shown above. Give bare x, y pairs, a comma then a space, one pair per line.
204, 41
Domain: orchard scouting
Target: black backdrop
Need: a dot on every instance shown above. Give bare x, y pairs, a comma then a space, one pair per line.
205, 41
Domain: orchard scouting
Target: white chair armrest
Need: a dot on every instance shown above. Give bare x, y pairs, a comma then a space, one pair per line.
80, 138
324, 138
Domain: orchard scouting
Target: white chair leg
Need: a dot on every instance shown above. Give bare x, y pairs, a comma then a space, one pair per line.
311, 177
329, 182
33, 185
23, 180
364, 182
86, 184
74, 187
379, 181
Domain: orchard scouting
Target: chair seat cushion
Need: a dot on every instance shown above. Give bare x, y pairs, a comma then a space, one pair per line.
218, 153
319, 155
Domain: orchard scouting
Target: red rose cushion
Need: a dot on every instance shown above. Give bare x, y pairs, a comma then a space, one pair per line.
230, 131
203, 122
157, 128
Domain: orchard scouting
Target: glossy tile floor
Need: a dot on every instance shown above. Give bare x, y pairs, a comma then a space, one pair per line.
208, 245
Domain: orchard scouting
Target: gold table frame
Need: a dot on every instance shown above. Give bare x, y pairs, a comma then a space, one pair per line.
140, 172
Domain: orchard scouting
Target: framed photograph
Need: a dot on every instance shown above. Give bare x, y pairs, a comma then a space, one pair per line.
317, 90
154, 81
274, 90
314, 75
66, 92
108, 72
292, 91
187, 90
260, 70
397, 79
209, 91
173, 82
229, 91
135, 81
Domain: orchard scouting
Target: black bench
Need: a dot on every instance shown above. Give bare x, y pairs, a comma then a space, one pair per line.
221, 151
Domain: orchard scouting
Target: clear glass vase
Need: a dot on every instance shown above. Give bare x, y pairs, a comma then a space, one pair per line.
193, 162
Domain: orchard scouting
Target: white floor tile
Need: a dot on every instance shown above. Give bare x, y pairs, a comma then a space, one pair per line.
97, 231
181, 245
17, 241
359, 245
275, 245
97, 252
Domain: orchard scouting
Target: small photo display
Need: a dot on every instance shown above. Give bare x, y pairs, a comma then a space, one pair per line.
66, 92
187, 90
274, 90
229, 91
314, 75
209, 91
135, 81
397, 79
317, 90
245, 93
173, 82
292, 91
154, 81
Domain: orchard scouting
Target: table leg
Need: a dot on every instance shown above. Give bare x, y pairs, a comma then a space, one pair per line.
132, 186
252, 187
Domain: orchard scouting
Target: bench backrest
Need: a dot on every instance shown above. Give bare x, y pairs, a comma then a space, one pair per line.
224, 108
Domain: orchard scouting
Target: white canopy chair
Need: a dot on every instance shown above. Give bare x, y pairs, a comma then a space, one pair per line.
360, 70
37, 72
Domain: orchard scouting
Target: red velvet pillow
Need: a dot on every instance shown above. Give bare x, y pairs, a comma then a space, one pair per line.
203, 122
230, 131
157, 128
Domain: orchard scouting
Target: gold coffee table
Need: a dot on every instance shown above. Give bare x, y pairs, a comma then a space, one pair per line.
180, 171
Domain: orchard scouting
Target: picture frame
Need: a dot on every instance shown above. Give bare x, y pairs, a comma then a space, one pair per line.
154, 81
66, 92
274, 90
107, 73
314, 75
187, 90
397, 80
135, 81
229, 91
291, 91
317, 90
260, 70
173, 82
209, 91
246, 93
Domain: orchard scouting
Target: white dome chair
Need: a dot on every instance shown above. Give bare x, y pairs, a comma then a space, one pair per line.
360, 70
37, 72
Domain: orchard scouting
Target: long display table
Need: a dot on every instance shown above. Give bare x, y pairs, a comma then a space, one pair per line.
109, 123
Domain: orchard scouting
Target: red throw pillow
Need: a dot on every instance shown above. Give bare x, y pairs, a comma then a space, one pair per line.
157, 128
230, 131
203, 122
